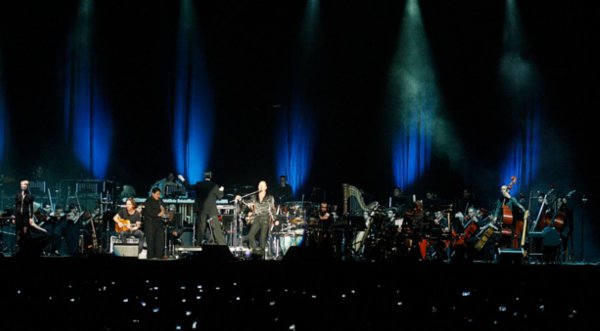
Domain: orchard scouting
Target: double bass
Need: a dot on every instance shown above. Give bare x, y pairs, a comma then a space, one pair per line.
507, 214
508, 220
559, 219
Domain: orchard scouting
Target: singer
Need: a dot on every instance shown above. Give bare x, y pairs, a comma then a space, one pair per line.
262, 206
24, 220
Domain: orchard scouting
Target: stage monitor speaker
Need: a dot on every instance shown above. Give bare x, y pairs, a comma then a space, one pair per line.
510, 256
187, 237
550, 236
126, 250
213, 253
309, 254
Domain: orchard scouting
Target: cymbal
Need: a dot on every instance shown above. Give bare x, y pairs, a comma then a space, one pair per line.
297, 221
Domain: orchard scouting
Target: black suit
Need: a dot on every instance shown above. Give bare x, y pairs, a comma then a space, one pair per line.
207, 194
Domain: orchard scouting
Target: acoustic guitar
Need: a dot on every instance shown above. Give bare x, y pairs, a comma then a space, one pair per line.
123, 225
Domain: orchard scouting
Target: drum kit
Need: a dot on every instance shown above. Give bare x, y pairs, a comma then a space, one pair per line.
290, 226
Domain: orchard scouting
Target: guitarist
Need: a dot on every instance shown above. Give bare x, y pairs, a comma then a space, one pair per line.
128, 222
263, 209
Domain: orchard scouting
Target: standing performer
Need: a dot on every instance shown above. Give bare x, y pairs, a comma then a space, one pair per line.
24, 221
154, 227
506, 211
262, 206
205, 207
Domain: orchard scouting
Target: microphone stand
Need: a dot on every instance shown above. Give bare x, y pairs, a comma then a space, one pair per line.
238, 218
249, 194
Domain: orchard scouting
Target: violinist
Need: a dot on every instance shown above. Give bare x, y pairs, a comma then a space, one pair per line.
415, 219
463, 232
441, 221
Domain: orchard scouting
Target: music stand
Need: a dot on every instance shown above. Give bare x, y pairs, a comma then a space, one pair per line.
166, 222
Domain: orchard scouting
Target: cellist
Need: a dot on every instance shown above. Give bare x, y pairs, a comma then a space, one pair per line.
505, 210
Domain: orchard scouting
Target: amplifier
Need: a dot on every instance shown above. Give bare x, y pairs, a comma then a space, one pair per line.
126, 250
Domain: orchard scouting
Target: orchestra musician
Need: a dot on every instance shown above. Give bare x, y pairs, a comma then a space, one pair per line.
415, 219
506, 211
319, 232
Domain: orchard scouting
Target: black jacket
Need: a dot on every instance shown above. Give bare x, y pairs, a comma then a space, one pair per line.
207, 194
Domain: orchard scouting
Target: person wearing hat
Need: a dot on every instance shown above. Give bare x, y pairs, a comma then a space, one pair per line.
205, 208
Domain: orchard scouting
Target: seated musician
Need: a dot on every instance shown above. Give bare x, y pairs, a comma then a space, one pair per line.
399, 201
172, 187
128, 222
325, 220
441, 221
415, 219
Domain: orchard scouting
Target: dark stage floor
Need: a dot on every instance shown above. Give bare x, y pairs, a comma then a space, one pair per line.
201, 292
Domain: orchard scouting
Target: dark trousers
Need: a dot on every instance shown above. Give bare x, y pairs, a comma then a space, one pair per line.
70, 232
27, 246
21, 221
155, 238
261, 223
217, 231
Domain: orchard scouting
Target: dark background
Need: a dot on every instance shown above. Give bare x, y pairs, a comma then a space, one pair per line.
249, 48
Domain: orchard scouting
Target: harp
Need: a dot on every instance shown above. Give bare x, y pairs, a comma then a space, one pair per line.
355, 209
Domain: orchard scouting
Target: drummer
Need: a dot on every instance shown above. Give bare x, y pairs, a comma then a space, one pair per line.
283, 191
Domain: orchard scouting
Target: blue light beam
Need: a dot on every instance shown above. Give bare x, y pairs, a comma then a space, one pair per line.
87, 120
193, 109
3, 117
414, 100
296, 131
